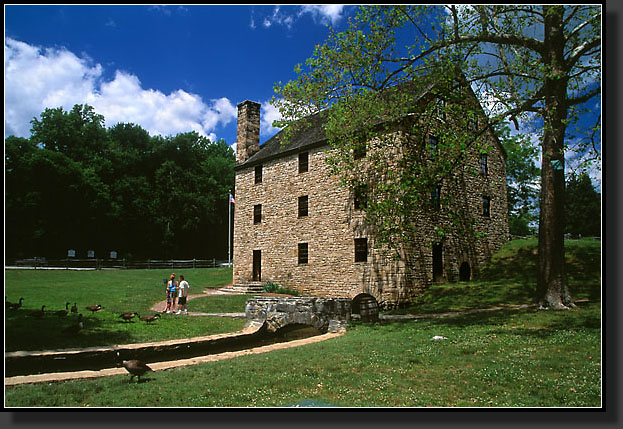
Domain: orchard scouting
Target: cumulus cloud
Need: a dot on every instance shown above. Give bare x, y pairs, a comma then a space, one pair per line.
269, 113
321, 14
37, 78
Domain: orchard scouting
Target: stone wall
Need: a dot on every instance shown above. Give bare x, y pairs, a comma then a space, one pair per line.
324, 314
332, 224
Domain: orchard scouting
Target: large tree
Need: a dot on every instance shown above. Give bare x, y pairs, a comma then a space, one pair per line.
532, 62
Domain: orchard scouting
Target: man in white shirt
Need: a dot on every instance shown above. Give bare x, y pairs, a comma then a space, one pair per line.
182, 296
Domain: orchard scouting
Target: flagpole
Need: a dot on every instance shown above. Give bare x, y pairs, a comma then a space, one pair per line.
229, 230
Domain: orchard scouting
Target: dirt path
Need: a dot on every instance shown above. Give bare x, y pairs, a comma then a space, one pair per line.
161, 305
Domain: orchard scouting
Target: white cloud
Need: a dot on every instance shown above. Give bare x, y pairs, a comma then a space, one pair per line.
321, 14
269, 113
324, 14
37, 78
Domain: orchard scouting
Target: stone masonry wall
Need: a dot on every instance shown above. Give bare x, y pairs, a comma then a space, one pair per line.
332, 225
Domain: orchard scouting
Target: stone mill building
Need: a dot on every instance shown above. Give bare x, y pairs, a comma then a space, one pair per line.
294, 225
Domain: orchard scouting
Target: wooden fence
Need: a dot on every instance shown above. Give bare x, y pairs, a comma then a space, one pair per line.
98, 264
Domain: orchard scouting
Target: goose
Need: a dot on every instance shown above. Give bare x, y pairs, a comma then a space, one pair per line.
150, 319
136, 368
74, 329
128, 316
39, 313
94, 308
14, 305
74, 308
65, 312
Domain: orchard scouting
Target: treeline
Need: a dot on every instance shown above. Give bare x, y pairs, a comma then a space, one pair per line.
75, 184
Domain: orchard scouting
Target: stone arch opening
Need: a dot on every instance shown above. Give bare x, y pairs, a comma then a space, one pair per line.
465, 272
366, 306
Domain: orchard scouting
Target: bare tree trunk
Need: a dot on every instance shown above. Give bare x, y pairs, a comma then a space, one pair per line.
552, 290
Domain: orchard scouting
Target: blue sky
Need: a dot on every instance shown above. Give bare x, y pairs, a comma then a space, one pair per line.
169, 69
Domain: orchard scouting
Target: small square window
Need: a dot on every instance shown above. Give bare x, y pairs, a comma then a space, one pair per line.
258, 174
303, 162
440, 108
303, 206
361, 250
257, 213
303, 253
486, 206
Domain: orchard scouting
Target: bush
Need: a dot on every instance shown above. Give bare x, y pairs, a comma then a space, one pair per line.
272, 287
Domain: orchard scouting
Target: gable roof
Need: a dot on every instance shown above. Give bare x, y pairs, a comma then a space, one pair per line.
313, 135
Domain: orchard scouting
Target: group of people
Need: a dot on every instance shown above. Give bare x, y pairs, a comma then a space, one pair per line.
177, 291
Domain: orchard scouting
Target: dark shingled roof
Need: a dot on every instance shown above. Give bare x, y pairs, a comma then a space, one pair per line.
308, 137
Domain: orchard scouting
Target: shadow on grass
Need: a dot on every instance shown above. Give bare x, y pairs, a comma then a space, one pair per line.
25, 332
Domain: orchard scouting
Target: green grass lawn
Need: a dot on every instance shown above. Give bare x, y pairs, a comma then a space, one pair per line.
506, 358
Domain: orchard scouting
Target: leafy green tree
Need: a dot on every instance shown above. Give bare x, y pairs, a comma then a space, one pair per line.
582, 207
522, 180
532, 60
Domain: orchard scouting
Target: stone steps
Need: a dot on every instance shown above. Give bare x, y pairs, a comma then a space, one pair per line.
246, 288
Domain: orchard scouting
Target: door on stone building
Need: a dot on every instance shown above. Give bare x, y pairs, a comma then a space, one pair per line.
437, 262
257, 265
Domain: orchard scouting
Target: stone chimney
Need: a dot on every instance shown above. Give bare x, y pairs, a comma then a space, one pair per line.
248, 138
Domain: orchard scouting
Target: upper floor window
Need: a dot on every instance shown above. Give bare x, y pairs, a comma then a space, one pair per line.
258, 174
440, 108
361, 250
303, 206
303, 253
486, 206
359, 152
433, 146
303, 162
435, 198
257, 213
361, 197
472, 122
484, 168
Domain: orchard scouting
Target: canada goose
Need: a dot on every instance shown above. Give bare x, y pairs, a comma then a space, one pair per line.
39, 313
75, 328
74, 308
150, 319
128, 316
65, 312
14, 305
135, 368
94, 308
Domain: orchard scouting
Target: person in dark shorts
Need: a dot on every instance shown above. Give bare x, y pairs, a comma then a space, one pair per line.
182, 296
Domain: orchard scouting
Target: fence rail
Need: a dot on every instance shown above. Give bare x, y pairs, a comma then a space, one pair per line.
120, 264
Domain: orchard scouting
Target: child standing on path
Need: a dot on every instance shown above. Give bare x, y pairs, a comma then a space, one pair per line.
172, 288
183, 295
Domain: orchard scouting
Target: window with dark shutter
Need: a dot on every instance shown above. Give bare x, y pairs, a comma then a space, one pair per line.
257, 213
258, 174
303, 252
486, 206
361, 197
361, 250
303, 206
303, 162
435, 198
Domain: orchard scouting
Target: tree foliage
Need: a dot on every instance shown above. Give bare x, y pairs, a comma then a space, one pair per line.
527, 62
76, 185
582, 207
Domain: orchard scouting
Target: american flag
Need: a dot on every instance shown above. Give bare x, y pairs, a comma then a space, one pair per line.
231, 199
